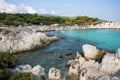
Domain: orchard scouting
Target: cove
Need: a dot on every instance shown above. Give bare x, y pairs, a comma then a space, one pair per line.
49, 56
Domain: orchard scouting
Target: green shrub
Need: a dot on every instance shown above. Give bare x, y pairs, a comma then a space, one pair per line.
3, 75
21, 76
7, 60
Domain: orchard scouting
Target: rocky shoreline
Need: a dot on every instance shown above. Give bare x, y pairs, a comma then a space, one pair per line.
12, 39
85, 67
20, 39
111, 25
81, 68
102, 25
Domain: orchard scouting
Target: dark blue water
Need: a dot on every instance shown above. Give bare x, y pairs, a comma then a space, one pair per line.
48, 57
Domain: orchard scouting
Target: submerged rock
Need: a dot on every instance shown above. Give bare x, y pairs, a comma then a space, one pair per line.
63, 37
91, 52
69, 52
51, 52
61, 56
54, 74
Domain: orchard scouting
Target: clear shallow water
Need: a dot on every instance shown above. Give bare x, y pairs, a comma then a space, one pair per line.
48, 57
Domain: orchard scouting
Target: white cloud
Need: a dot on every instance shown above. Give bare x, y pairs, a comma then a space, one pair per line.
22, 8
42, 11
53, 12
11, 8
26, 9
67, 5
5, 7
30, 10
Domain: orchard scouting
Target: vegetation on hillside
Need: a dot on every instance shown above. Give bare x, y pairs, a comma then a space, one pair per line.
35, 19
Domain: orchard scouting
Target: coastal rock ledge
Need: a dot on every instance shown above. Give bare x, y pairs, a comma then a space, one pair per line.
80, 69
23, 39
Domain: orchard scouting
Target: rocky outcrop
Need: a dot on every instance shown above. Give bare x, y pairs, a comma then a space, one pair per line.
106, 25
37, 72
91, 52
23, 40
80, 69
108, 69
23, 68
54, 74
110, 63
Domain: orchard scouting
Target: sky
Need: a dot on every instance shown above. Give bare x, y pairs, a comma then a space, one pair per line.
103, 9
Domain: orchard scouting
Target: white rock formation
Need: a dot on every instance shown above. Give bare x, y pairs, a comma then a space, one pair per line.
91, 74
36, 70
23, 68
80, 63
54, 74
91, 52
92, 70
73, 67
106, 25
110, 63
23, 40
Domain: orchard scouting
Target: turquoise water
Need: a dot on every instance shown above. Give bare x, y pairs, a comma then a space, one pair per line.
48, 57
108, 39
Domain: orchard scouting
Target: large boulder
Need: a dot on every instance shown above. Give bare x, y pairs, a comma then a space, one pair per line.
91, 52
54, 74
110, 63
38, 70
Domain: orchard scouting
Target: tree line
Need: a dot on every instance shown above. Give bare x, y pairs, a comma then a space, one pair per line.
36, 19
